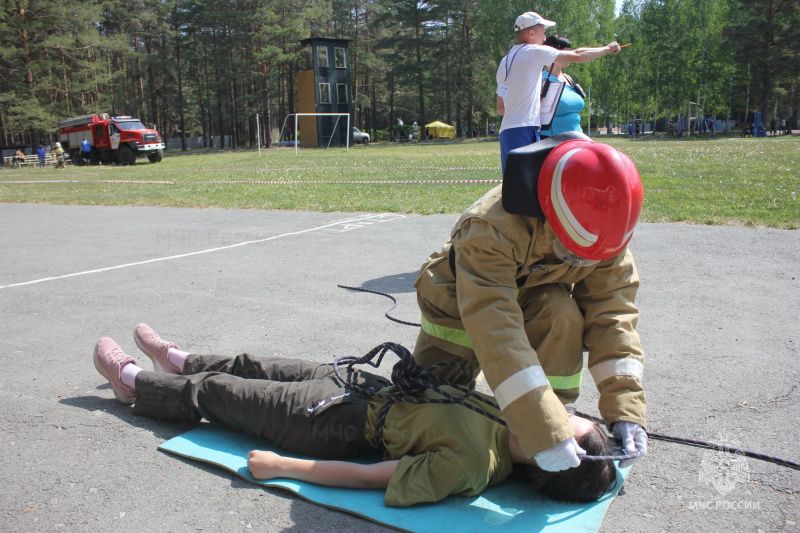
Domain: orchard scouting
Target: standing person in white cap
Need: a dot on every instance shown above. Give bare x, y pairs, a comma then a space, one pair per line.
519, 80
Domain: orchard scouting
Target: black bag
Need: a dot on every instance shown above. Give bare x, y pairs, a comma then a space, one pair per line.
520, 194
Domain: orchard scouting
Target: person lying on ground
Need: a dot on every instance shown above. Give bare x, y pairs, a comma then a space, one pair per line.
432, 450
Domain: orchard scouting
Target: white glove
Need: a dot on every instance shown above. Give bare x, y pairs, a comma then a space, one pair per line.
633, 439
562, 456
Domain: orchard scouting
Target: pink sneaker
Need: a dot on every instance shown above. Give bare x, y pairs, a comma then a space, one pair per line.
155, 348
109, 360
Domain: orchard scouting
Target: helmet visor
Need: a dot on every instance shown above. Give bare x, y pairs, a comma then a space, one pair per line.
566, 256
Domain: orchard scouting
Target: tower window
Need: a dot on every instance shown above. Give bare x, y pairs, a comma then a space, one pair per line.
322, 56
324, 93
340, 57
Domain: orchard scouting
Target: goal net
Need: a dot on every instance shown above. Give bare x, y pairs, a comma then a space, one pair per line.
326, 137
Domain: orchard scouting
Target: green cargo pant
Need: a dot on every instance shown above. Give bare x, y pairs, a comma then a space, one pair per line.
299, 406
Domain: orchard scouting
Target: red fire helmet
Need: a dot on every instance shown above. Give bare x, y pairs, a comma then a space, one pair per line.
592, 196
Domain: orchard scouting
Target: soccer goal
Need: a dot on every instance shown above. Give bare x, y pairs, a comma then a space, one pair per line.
333, 130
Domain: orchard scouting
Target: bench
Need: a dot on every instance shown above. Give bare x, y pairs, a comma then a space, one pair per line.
50, 159
9, 161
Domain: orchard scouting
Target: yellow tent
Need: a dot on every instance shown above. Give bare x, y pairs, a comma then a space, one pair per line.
438, 130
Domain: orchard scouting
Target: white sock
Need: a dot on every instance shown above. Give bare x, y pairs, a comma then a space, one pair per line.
128, 374
177, 357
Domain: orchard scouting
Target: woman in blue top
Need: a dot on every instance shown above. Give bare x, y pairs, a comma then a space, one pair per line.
567, 117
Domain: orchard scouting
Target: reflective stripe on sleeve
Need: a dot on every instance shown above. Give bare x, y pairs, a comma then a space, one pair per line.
454, 335
566, 382
519, 384
616, 367
582, 236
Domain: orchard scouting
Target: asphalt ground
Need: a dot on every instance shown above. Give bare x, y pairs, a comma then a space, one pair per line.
719, 308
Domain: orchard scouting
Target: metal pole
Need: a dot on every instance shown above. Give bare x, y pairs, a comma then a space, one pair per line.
347, 142
295, 134
258, 135
697, 111
747, 105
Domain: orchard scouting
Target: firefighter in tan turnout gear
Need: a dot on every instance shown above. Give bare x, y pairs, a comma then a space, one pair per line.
535, 272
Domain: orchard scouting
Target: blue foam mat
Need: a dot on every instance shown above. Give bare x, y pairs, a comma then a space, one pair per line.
509, 507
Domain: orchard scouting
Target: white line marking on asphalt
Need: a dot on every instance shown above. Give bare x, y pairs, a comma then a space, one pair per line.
200, 252
386, 217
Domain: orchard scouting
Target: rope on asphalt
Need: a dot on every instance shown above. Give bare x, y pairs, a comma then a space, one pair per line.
386, 314
655, 436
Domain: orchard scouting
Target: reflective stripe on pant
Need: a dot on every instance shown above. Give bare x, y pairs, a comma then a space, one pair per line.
553, 325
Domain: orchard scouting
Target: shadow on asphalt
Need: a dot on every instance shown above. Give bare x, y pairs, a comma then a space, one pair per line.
301, 511
393, 283
163, 429
306, 517
236, 481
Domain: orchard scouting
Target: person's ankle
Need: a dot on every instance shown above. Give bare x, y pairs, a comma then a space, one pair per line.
177, 357
128, 374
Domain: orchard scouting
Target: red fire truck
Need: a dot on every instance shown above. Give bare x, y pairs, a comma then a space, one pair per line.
114, 139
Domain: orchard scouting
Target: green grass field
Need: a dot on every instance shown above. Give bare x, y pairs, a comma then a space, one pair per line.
720, 181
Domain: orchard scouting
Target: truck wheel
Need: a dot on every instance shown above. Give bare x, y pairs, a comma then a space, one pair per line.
127, 156
156, 157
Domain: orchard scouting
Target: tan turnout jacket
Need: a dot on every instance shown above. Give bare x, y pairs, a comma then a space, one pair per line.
476, 310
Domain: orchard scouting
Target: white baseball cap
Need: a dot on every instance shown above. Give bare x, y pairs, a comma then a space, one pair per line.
531, 18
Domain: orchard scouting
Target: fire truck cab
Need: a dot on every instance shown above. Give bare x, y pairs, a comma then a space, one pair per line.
119, 139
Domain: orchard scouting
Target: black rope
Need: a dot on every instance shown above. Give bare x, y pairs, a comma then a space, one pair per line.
410, 381
654, 436
386, 314
725, 448
709, 446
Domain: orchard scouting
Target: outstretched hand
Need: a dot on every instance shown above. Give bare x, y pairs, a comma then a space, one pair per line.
263, 464
268, 465
633, 439
613, 47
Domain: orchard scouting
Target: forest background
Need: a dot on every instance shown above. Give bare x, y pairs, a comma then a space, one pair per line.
205, 68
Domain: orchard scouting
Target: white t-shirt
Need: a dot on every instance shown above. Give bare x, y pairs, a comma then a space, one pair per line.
519, 83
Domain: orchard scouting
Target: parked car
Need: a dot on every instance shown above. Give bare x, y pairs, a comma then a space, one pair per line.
359, 136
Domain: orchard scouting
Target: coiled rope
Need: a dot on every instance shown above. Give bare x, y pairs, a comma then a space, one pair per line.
410, 382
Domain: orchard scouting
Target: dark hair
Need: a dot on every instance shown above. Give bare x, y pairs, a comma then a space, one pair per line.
584, 483
559, 42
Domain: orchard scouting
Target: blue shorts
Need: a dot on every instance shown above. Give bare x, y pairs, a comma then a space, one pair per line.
516, 138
